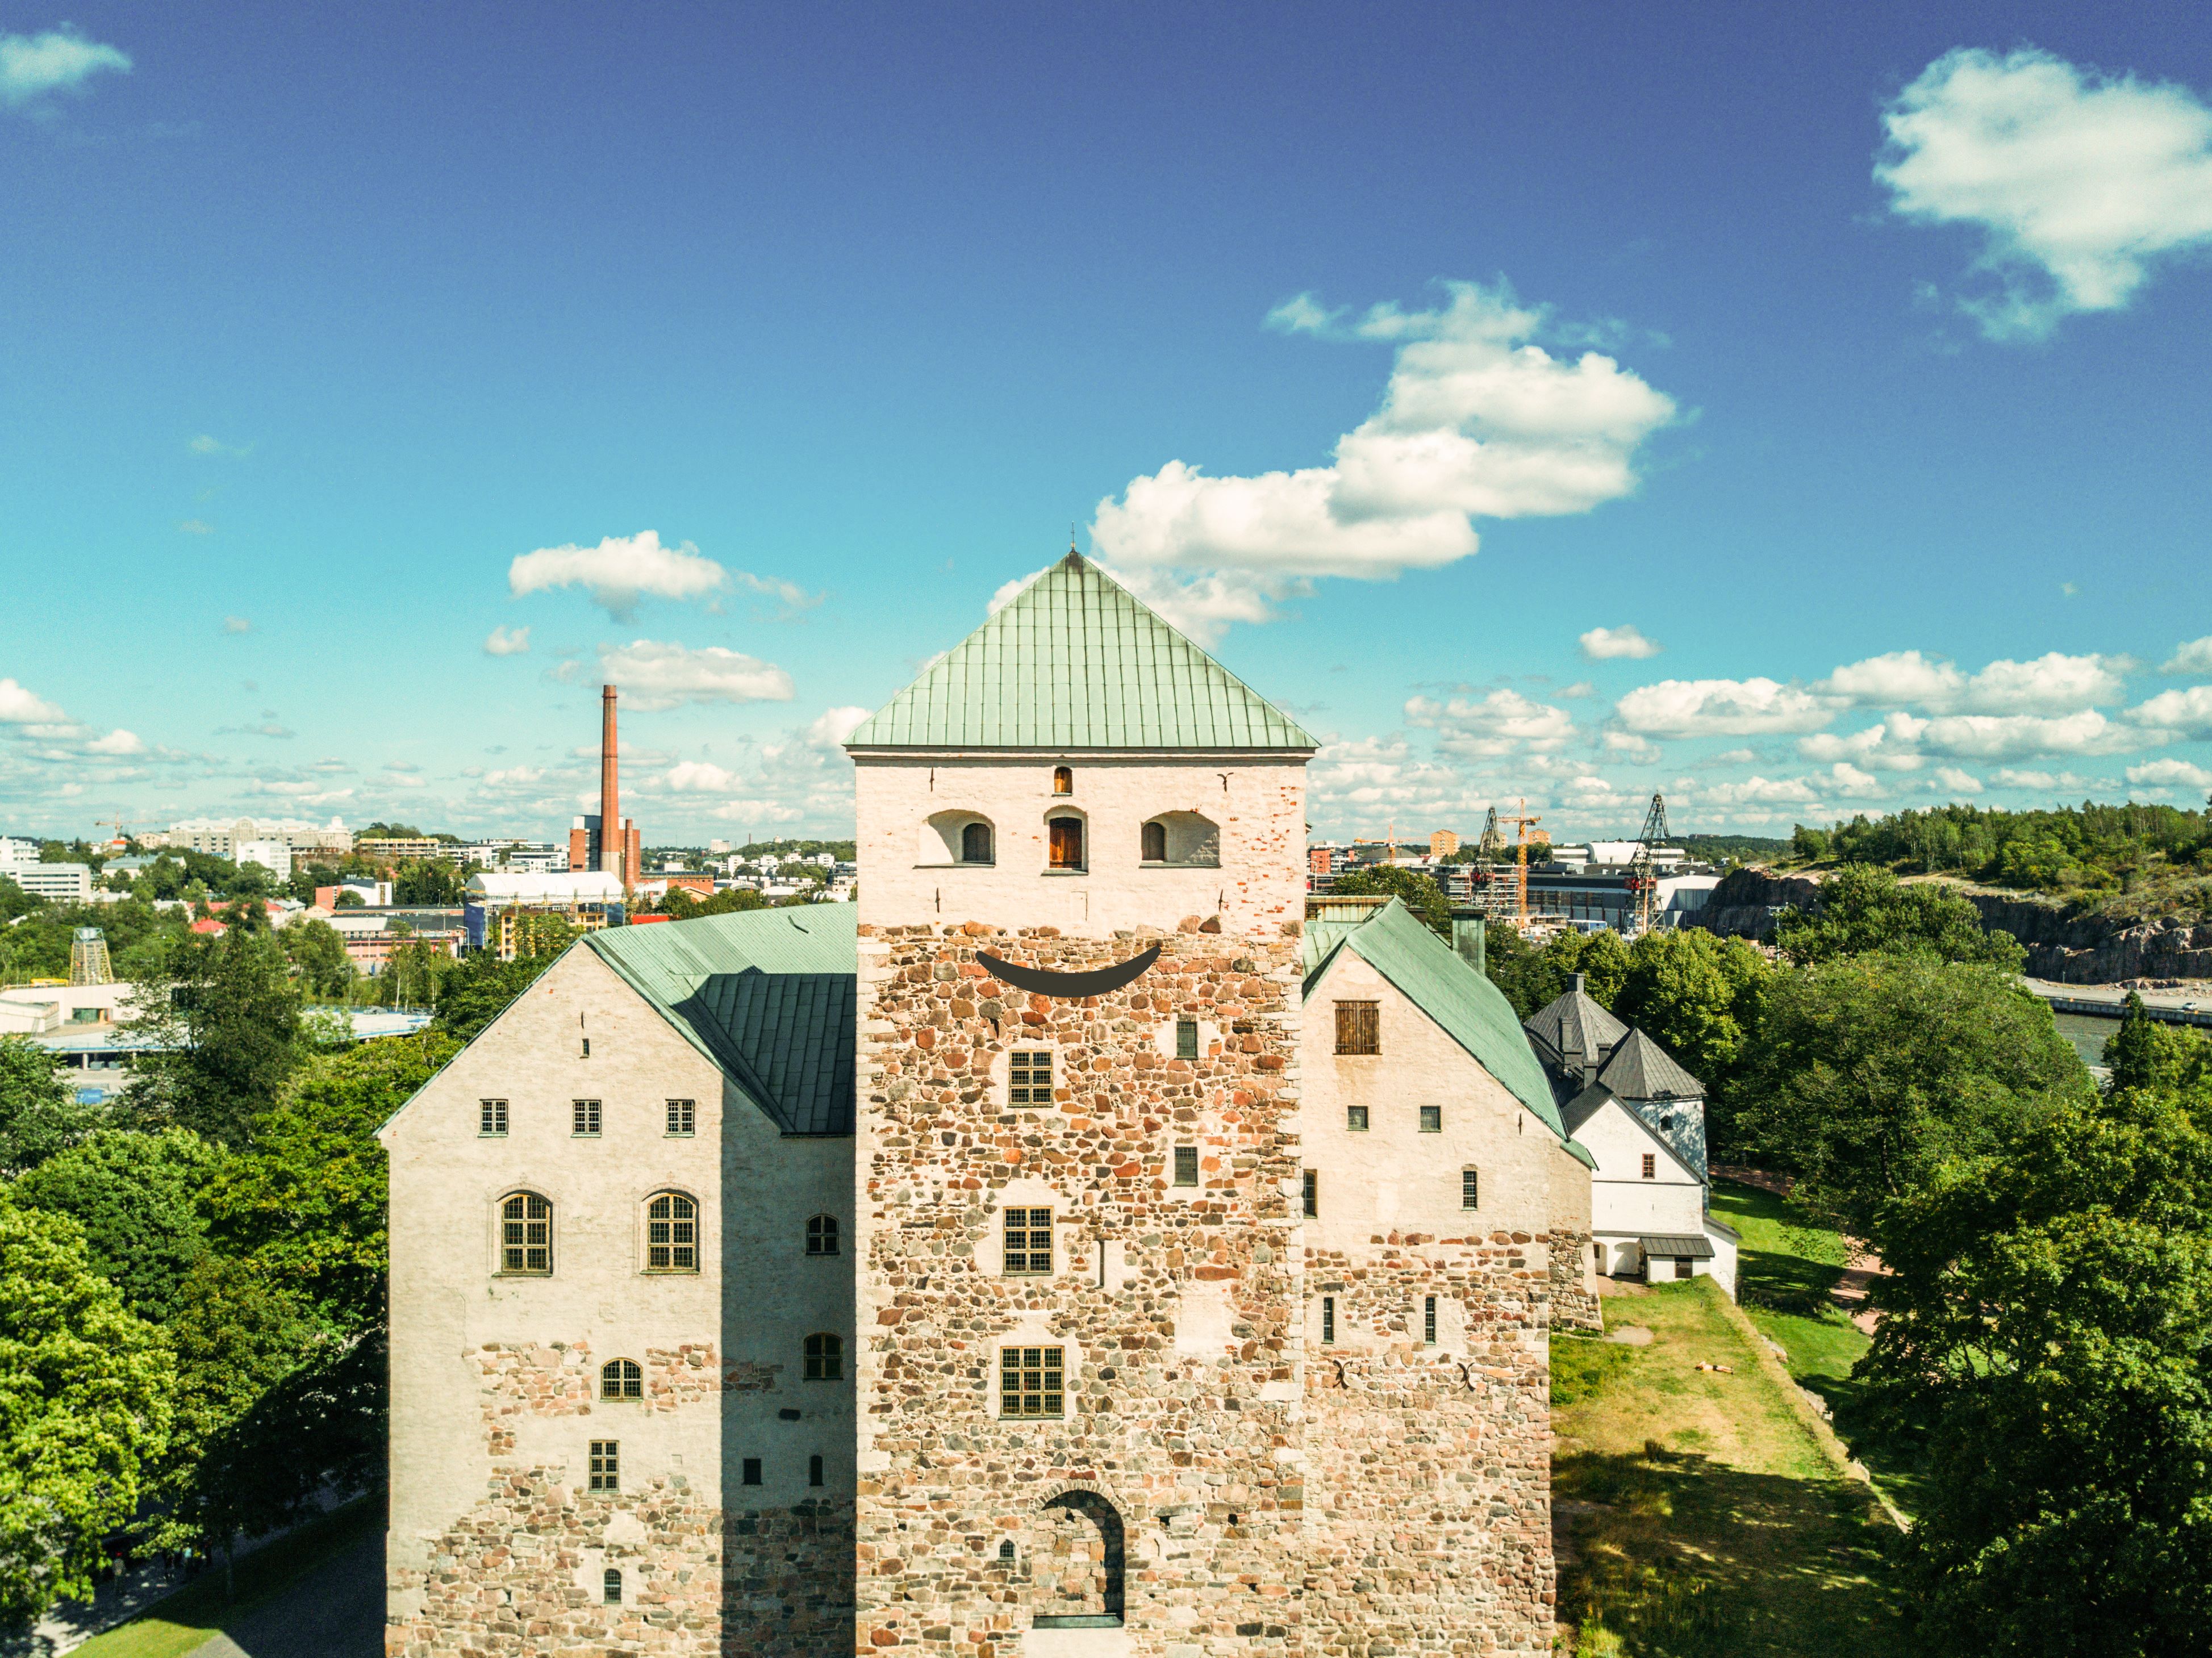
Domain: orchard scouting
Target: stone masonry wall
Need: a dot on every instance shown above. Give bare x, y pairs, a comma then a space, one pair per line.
1180, 1313
1429, 1466
1574, 1296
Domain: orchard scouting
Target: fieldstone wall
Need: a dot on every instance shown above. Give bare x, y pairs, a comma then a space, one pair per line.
1180, 1314
1575, 1305
1429, 1490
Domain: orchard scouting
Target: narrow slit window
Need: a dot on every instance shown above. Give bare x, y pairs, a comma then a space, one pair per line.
1186, 1039
1313, 1193
1329, 1318
587, 1047
1029, 1242
1470, 1188
620, 1378
1030, 1077
1429, 1320
610, 1587
525, 1234
606, 1466
1355, 1118
683, 1117
751, 1472
825, 1358
822, 1235
1358, 1028
671, 1234
491, 1118
1186, 1165
584, 1117
814, 1471
1650, 1165
1432, 1119
1029, 1381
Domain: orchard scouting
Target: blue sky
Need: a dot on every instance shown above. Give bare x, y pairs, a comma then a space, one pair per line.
1823, 397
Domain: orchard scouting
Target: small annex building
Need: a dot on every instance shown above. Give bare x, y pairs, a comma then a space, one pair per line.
1642, 1117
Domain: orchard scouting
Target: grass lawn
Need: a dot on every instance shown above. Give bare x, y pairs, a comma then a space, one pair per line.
197, 1613
1697, 1515
1784, 1273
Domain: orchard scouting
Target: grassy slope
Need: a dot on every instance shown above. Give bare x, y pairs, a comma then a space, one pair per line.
1699, 1517
197, 1613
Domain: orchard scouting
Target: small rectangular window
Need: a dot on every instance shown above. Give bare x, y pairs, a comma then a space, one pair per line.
610, 1587
1470, 1189
1186, 1039
814, 1471
1650, 1165
1313, 1193
584, 1117
750, 1473
1186, 1165
1329, 1318
1358, 1028
1029, 1242
683, 1117
1429, 1321
606, 1470
587, 1047
1432, 1119
1029, 1381
1030, 1077
1355, 1118
491, 1118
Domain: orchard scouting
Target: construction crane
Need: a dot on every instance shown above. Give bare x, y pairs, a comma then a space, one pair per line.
1642, 872
1522, 822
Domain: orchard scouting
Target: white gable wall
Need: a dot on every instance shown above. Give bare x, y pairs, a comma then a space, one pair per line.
1624, 1205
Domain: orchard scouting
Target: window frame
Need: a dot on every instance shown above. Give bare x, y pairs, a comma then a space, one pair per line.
502, 1220
1428, 1321
1470, 1188
820, 1230
491, 1119
1054, 862
1063, 782
1186, 1157
1186, 1029
675, 1221
969, 830
1023, 1219
816, 1472
610, 1587
1147, 833
1432, 1119
822, 1357
604, 1466
1050, 1392
629, 1379
682, 1120
748, 1472
1021, 1085
586, 1118
1328, 1320
1359, 1028
1312, 1195
1650, 1165
1355, 1119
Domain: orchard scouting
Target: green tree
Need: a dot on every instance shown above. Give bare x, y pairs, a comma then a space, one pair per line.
1697, 995
40, 1111
318, 955
1531, 976
1870, 1071
479, 987
224, 1019
2145, 1054
428, 881
85, 1412
1603, 962
139, 1197
1417, 891
2047, 1331
1865, 908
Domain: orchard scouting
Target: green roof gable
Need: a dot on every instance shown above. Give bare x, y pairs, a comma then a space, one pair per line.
767, 994
1469, 1009
1074, 661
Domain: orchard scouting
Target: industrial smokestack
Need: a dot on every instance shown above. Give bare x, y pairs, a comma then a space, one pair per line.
611, 833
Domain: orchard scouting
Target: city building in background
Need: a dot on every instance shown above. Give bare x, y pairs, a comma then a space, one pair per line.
498, 909
221, 837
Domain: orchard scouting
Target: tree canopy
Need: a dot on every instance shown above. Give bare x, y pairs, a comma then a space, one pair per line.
40, 1113
224, 1016
140, 1199
1419, 892
1863, 907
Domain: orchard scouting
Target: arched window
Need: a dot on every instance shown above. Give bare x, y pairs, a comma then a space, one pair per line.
620, 1378
1063, 780
672, 1233
610, 1587
975, 843
1064, 842
525, 1234
1155, 843
1183, 840
822, 1235
825, 1358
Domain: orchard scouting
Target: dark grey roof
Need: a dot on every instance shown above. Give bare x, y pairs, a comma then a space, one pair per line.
1642, 1070
1663, 1244
1573, 1023
1584, 1105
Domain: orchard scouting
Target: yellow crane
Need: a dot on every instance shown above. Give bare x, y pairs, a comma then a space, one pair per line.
1522, 822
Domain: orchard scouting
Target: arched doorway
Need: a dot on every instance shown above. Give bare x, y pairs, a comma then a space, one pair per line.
1075, 1570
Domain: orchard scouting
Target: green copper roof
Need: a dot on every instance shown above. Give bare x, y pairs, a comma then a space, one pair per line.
1073, 661
768, 995
1469, 1009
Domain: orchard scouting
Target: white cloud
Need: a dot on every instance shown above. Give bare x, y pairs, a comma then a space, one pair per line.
117, 742
508, 641
831, 728
1848, 780
1603, 644
1719, 707
236, 624
2195, 657
59, 60
1886, 747
2170, 773
2020, 736
507, 777
206, 445
618, 572
2079, 181
20, 706
652, 674
1957, 781
1496, 724
1732, 757
701, 777
2189, 712
789, 594
197, 526
2053, 682
1477, 421
1637, 750
1771, 790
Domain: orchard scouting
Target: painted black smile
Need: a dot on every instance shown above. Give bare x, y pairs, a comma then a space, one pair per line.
1038, 982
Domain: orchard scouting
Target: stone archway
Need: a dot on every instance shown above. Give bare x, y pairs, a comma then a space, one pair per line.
1077, 1567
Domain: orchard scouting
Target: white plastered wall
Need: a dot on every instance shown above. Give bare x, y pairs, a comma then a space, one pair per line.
755, 1299
909, 876
1624, 1205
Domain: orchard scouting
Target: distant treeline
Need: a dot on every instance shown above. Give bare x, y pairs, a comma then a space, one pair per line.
1733, 849
2085, 848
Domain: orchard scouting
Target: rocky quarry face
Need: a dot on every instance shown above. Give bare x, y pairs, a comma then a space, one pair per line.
2063, 946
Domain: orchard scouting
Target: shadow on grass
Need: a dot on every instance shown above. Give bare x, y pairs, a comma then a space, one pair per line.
1671, 1555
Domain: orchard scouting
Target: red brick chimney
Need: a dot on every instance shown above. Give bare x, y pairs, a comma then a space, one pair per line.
611, 838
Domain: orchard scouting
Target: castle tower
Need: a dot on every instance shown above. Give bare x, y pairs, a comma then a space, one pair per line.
1079, 1367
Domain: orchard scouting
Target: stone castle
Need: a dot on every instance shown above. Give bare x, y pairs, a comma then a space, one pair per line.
1079, 1251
